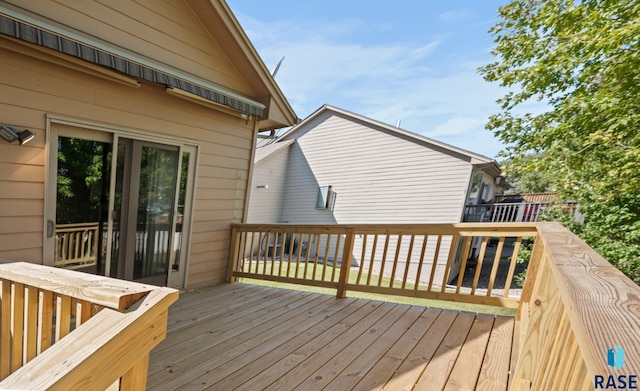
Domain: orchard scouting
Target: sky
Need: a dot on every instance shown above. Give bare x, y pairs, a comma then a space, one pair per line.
413, 61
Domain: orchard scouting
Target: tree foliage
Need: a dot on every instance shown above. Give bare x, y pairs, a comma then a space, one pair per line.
581, 60
525, 178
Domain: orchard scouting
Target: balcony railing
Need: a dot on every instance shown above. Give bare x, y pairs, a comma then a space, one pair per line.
523, 212
61, 329
574, 305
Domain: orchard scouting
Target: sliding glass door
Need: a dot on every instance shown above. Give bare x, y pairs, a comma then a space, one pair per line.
120, 207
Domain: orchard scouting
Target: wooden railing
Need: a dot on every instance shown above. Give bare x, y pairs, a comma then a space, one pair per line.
76, 244
67, 330
575, 306
473, 263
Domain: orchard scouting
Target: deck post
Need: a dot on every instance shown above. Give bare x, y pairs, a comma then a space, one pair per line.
234, 254
136, 377
345, 265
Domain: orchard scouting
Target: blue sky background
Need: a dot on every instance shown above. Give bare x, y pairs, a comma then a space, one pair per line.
408, 60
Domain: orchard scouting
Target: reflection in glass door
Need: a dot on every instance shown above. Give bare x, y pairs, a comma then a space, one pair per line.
119, 206
144, 210
82, 200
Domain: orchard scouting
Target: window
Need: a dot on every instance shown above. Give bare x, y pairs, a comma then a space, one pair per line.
326, 198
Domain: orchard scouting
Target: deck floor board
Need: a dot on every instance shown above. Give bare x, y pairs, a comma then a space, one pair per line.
243, 337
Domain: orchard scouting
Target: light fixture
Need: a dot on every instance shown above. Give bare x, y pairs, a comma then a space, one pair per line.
11, 134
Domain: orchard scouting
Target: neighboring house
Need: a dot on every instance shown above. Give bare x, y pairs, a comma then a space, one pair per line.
338, 167
145, 115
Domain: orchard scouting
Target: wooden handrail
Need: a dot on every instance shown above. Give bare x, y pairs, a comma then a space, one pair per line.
575, 307
398, 259
59, 328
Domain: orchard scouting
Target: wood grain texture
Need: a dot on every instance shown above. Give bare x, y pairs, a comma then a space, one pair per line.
299, 340
108, 292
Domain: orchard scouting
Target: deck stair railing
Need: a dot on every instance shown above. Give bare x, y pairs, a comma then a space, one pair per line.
66, 330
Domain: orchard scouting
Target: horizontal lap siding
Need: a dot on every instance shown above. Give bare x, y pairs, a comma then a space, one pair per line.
378, 177
166, 31
266, 204
30, 89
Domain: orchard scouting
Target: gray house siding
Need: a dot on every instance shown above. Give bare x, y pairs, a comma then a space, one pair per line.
268, 188
380, 175
377, 177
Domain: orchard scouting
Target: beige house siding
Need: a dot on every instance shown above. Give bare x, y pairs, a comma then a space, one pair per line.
166, 30
32, 88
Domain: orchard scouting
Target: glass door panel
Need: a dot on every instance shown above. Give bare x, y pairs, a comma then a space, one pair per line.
153, 191
82, 202
118, 206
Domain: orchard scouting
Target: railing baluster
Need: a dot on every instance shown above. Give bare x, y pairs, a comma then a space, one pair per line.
384, 257
63, 316
362, 257
409, 255
476, 277
326, 256
425, 240
298, 252
395, 260
335, 257
31, 334
373, 256
243, 254
265, 252
274, 251
496, 264
45, 320
435, 262
447, 269
463, 266
282, 242
253, 237
317, 252
17, 325
307, 254
512, 266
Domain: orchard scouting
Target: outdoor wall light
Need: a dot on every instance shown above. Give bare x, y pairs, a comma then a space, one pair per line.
11, 134
262, 187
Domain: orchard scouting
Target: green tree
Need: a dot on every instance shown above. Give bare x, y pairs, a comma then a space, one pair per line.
581, 58
527, 178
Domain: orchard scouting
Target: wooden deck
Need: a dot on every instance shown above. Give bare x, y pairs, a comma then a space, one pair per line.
238, 336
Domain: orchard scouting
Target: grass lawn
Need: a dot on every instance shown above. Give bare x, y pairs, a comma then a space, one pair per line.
352, 279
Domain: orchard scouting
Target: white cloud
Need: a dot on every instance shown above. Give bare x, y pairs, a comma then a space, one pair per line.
455, 15
387, 82
456, 126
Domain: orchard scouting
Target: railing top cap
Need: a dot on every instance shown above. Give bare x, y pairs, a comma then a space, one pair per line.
105, 291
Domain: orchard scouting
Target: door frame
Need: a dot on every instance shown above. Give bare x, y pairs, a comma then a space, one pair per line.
84, 128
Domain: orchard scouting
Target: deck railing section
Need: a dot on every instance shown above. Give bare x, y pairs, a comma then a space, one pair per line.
59, 328
574, 308
76, 244
522, 212
472, 263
